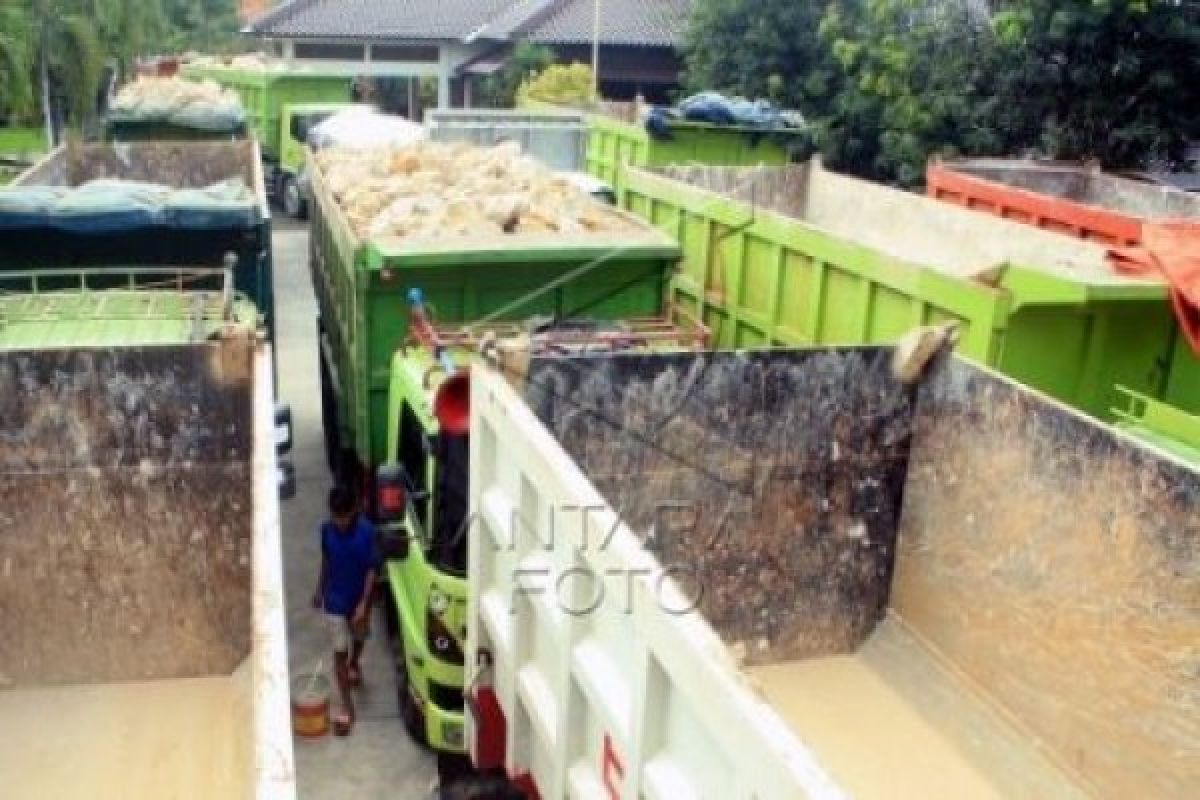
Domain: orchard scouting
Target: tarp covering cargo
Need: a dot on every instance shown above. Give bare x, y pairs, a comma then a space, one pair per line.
94, 212
114, 205
176, 102
784, 574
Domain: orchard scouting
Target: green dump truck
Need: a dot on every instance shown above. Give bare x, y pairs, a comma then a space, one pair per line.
799, 256
139, 528
282, 105
144, 204
394, 391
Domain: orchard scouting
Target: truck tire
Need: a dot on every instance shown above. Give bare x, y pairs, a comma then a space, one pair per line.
410, 714
294, 203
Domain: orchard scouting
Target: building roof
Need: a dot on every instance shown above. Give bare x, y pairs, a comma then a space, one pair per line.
658, 23
378, 19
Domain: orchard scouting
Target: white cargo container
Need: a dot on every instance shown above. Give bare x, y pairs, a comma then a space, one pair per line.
960, 590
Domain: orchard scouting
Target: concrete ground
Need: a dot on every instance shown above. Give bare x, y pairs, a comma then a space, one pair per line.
378, 761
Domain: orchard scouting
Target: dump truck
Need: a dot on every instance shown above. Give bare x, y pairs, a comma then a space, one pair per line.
391, 377
556, 138
1085, 202
166, 108
1069, 198
801, 255
283, 104
118, 227
141, 605
785, 574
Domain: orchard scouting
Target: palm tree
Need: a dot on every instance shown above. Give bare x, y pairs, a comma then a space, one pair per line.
56, 41
16, 96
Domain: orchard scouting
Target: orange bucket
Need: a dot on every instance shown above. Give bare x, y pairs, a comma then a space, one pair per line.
310, 706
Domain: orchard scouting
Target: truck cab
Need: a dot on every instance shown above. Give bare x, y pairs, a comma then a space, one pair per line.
296, 122
421, 507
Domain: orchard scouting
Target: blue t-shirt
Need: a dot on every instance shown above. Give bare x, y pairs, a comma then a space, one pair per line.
348, 558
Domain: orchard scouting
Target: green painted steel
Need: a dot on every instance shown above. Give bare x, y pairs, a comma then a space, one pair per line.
128, 130
48, 309
762, 278
1159, 423
361, 290
266, 92
612, 143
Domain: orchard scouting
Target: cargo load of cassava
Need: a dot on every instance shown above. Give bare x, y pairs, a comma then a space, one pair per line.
420, 256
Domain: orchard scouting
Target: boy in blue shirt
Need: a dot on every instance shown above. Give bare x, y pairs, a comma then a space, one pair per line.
349, 564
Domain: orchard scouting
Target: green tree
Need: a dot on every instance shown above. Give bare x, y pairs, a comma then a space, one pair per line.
916, 80
525, 60
210, 26
761, 48
888, 83
1114, 80
53, 52
16, 88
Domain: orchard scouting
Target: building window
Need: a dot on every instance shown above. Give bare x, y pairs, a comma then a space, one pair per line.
405, 52
328, 51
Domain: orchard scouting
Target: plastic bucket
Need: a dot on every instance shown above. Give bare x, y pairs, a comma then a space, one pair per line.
310, 706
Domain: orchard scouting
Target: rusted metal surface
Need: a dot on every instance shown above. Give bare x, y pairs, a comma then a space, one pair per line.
768, 483
125, 512
183, 164
1056, 564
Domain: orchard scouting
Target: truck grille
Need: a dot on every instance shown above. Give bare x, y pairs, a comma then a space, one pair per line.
447, 698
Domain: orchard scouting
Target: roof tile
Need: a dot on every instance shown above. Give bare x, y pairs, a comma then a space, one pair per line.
623, 22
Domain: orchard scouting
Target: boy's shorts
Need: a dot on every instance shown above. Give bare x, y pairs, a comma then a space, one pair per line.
340, 633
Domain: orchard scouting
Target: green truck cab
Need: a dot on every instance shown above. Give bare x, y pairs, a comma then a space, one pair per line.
421, 511
388, 387
282, 106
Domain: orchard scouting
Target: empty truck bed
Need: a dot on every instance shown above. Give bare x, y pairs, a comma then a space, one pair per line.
783, 574
182, 739
894, 690
142, 645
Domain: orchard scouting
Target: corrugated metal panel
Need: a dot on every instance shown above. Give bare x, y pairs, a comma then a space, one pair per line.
556, 139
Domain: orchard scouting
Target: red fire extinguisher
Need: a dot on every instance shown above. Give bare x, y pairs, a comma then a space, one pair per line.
487, 748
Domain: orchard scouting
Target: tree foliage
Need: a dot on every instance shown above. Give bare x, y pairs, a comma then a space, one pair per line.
53, 53
525, 60
570, 85
889, 83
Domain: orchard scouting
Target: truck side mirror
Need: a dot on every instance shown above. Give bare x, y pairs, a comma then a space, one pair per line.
283, 429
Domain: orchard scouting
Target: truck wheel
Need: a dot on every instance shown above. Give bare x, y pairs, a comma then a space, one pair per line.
410, 712
294, 204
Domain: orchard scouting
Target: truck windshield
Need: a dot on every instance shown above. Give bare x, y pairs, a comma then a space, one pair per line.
448, 548
302, 124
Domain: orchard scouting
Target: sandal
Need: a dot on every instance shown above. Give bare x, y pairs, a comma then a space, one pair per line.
343, 722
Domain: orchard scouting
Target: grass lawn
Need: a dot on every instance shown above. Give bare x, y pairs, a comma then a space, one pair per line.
22, 140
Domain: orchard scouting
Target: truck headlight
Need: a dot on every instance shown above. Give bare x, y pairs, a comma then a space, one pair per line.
442, 643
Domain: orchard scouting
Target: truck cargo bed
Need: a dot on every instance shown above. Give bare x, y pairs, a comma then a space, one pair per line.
1073, 199
102, 237
142, 642
185, 738
783, 574
893, 689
